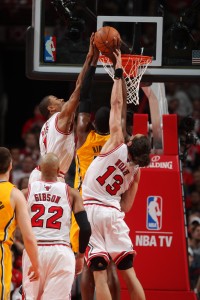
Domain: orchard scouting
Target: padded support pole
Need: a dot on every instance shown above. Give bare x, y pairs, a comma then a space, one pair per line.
170, 135
140, 124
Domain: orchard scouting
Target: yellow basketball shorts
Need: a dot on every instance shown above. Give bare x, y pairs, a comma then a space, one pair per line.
5, 271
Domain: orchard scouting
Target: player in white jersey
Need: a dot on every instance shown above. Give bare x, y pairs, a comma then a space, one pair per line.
108, 190
56, 141
57, 134
50, 204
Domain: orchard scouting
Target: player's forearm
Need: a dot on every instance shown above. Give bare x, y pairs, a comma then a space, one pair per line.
85, 230
85, 93
83, 71
32, 250
73, 102
75, 97
124, 107
128, 198
116, 108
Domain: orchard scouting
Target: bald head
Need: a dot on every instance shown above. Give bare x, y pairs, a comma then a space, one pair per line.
49, 166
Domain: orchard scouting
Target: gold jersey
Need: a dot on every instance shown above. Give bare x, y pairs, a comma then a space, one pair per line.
7, 214
84, 156
86, 153
7, 228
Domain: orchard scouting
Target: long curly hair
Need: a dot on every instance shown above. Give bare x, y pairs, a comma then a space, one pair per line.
140, 150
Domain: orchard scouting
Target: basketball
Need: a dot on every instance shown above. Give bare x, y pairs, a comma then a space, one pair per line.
104, 39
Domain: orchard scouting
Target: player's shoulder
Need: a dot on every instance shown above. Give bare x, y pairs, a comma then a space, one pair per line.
17, 195
54, 116
114, 149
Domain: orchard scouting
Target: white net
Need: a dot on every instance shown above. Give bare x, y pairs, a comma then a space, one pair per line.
134, 67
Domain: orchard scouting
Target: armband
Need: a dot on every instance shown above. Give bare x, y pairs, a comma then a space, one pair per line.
118, 73
85, 230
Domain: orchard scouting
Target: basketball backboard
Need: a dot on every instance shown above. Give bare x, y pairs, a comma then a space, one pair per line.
169, 31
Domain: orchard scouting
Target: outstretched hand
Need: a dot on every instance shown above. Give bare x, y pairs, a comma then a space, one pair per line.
93, 51
118, 58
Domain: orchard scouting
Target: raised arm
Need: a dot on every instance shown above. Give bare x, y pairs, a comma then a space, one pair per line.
124, 107
84, 114
116, 103
66, 115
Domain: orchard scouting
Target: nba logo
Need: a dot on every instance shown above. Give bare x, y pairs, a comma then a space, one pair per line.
154, 213
50, 49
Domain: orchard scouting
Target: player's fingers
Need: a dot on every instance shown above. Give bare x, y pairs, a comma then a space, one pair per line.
92, 35
116, 53
33, 276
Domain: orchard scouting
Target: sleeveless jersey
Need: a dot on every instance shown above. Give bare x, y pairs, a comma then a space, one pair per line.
53, 140
86, 154
7, 227
50, 210
7, 214
108, 176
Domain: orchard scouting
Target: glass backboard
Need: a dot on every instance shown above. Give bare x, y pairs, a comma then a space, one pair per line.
169, 31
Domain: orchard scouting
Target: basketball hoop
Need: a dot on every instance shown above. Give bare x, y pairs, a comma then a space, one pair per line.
134, 67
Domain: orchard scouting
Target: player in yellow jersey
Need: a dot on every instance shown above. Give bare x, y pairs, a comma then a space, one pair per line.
13, 212
91, 136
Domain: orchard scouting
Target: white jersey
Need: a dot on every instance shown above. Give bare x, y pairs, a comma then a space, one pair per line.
108, 176
50, 211
53, 140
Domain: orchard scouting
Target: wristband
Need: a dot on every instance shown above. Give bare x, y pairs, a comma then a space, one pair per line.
118, 73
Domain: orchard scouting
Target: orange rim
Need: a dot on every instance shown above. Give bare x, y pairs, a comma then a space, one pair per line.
141, 59
130, 62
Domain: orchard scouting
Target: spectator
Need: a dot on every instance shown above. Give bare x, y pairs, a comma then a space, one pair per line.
16, 276
185, 106
194, 270
26, 168
193, 219
196, 185
193, 201
34, 124
173, 105
194, 239
16, 158
23, 182
31, 147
